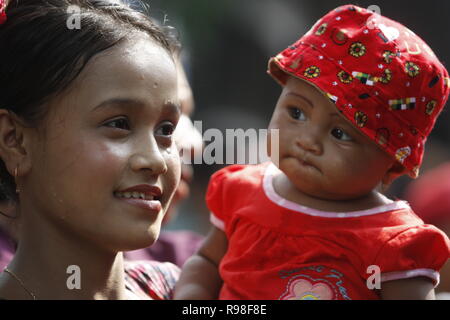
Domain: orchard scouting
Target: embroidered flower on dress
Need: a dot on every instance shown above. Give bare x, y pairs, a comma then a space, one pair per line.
312, 72
303, 289
345, 77
357, 49
412, 69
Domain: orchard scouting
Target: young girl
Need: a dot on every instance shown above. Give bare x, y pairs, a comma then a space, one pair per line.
360, 95
86, 122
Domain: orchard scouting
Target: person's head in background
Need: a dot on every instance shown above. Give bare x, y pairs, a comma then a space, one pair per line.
187, 138
429, 196
86, 128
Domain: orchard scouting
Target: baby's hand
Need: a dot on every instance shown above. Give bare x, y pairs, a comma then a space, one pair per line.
408, 289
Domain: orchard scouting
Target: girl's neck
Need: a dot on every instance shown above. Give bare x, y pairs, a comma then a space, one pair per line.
286, 189
42, 263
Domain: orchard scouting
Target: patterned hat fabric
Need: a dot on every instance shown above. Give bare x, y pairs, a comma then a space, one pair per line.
380, 75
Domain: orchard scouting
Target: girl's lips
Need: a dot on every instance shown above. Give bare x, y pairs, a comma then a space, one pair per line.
153, 206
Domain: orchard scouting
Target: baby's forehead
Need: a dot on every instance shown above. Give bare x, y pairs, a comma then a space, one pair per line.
308, 90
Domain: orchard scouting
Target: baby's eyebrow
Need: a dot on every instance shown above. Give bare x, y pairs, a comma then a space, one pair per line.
301, 97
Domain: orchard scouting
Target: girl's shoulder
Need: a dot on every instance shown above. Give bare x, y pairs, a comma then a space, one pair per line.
151, 279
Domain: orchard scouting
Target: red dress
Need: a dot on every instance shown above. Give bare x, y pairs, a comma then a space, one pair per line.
278, 249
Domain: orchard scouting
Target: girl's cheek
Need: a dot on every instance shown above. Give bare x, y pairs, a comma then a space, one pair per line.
174, 166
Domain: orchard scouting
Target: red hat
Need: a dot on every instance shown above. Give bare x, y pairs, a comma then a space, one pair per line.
382, 77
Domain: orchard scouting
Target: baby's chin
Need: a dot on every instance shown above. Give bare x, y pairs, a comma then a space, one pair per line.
335, 195
312, 183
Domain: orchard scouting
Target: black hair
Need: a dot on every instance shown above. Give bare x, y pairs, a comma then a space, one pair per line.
41, 54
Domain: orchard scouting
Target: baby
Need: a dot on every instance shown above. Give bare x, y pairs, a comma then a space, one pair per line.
361, 93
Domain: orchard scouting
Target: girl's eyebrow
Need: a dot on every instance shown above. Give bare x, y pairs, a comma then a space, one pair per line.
121, 102
173, 107
301, 97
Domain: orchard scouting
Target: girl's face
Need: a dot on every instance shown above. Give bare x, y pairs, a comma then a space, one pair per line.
108, 136
321, 153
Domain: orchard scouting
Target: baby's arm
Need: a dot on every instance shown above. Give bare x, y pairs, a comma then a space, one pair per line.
200, 279
408, 289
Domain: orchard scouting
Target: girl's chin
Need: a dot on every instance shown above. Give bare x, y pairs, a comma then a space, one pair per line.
138, 243
137, 239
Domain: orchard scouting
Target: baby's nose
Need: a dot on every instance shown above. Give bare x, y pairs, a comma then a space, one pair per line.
311, 141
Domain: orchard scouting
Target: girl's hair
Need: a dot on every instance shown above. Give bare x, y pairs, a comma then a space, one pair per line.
41, 54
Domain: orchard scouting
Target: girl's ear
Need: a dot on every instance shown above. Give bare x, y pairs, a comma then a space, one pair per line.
13, 149
397, 170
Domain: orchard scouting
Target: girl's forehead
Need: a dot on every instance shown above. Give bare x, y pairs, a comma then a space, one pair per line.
141, 56
138, 69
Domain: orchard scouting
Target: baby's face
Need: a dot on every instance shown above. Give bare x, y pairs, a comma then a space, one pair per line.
320, 151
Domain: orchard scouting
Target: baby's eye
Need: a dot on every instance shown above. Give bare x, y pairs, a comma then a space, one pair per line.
341, 135
120, 123
297, 114
166, 129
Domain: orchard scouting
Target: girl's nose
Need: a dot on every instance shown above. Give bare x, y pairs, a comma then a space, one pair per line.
149, 158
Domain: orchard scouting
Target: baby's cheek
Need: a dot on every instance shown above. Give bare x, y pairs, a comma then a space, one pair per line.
345, 170
361, 173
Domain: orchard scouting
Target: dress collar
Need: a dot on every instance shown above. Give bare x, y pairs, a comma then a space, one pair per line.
269, 190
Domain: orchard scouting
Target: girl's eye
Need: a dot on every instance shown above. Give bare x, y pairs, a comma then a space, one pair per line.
297, 114
165, 129
121, 123
340, 135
